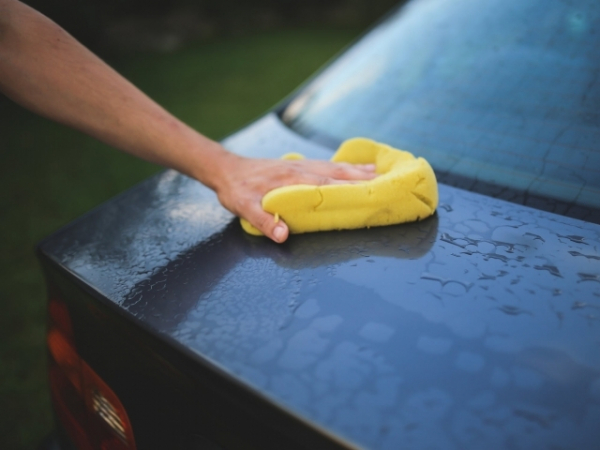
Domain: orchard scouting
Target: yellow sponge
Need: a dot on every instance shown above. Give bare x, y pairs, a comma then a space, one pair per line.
404, 191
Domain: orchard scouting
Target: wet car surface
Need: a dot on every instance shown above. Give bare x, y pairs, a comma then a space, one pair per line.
477, 323
476, 328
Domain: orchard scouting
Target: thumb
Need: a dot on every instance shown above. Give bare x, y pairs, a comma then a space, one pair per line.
259, 222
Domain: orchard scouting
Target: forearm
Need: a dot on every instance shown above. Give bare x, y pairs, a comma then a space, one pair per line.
46, 70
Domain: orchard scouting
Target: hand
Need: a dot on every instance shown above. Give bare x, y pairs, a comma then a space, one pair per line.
246, 181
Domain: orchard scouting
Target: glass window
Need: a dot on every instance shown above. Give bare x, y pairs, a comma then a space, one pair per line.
502, 91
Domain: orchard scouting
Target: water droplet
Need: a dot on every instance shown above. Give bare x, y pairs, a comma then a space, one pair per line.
552, 269
574, 253
489, 256
538, 419
574, 238
513, 310
588, 277
444, 281
487, 277
535, 237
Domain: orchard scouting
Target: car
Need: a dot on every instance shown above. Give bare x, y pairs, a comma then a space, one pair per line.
479, 327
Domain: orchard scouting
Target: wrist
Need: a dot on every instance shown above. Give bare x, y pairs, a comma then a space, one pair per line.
213, 165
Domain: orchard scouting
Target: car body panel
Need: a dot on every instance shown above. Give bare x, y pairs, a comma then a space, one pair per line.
476, 328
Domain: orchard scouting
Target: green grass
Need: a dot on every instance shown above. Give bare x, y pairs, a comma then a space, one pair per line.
51, 174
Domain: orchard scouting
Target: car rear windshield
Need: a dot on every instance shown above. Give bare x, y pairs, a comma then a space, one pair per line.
502, 92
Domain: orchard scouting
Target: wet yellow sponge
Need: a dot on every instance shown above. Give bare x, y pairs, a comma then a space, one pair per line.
405, 190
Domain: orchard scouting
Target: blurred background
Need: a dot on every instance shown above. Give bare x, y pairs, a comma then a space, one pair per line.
216, 64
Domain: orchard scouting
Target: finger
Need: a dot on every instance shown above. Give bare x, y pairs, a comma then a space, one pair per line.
319, 180
272, 227
344, 171
355, 173
364, 167
367, 167
352, 172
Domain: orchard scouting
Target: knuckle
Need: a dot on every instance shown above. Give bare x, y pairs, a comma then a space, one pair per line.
265, 223
243, 203
289, 170
340, 171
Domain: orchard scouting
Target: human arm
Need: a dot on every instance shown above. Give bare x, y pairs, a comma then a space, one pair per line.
47, 71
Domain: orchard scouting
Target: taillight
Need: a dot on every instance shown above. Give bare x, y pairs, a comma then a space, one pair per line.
90, 412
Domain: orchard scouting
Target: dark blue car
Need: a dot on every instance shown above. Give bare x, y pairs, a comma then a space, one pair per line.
477, 328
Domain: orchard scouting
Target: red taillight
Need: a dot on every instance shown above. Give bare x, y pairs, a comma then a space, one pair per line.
89, 410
